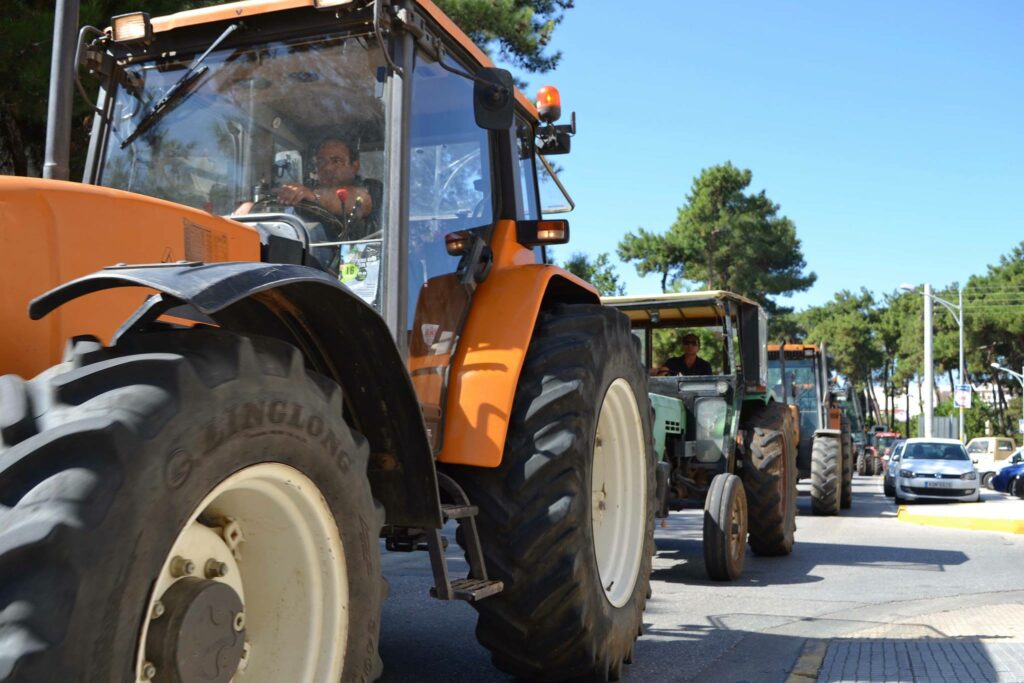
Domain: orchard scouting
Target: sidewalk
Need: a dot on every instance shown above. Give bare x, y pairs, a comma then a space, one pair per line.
996, 512
983, 643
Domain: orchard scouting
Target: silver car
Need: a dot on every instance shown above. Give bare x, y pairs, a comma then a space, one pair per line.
936, 469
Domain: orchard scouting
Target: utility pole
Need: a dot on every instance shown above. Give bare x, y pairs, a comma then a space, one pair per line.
928, 380
62, 73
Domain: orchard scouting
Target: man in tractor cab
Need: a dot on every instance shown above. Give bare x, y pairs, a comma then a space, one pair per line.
339, 189
689, 363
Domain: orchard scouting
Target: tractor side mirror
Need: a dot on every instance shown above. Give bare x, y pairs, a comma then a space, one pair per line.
493, 99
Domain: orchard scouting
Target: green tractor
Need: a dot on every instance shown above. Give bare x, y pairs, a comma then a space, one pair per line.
722, 441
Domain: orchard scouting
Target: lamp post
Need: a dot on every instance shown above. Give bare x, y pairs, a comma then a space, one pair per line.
957, 311
1019, 378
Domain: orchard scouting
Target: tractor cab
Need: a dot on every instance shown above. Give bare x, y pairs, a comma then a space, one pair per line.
733, 330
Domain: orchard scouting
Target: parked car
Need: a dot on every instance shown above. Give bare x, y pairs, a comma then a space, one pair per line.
935, 469
988, 477
989, 453
1010, 480
891, 466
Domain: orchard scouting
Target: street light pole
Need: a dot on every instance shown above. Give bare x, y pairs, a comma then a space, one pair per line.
957, 311
1019, 378
960, 375
928, 369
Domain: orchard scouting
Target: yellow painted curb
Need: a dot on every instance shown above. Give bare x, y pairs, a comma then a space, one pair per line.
809, 662
1008, 526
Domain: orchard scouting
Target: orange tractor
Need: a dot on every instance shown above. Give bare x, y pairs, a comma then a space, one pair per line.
226, 374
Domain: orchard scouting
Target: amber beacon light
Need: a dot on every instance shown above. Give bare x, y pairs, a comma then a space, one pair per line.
549, 104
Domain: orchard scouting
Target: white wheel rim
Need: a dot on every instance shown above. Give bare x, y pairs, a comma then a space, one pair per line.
286, 563
619, 493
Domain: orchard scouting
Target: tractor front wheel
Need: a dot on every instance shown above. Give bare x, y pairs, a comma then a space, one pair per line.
186, 505
725, 528
567, 520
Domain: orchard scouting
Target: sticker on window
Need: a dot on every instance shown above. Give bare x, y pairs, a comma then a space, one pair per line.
360, 268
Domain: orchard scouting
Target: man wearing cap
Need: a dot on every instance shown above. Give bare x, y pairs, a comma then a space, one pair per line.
689, 363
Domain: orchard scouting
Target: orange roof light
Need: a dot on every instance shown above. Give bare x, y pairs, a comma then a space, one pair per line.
549, 104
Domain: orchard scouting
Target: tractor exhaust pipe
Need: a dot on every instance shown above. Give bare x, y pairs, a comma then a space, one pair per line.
56, 163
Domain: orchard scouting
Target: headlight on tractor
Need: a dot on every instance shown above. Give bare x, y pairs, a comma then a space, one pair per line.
908, 474
969, 475
710, 413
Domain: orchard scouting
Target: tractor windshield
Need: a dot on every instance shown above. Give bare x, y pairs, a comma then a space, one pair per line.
251, 122
802, 382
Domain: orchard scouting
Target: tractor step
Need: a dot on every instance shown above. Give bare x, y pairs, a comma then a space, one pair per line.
477, 585
459, 511
472, 590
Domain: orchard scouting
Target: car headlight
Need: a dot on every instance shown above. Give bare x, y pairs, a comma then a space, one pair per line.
969, 475
908, 474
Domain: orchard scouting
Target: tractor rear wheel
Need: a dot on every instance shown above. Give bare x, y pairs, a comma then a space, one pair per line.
861, 464
185, 505
769, 479
846, 494
826, 475
567, 520
725, 528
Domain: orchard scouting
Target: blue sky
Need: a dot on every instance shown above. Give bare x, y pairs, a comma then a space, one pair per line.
892, 134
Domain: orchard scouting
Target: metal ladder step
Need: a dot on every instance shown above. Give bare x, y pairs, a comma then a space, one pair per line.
472, 590
459, 511
478, 585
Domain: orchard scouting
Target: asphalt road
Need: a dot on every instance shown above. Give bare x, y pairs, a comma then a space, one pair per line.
856, 573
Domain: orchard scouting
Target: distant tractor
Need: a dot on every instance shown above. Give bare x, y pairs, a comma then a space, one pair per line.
798, 375
722, 441
875, 458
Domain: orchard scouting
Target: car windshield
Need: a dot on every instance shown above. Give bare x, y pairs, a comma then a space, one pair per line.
977, 447
934, 451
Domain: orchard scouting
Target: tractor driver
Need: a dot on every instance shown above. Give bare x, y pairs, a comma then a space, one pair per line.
337, 168
687, 364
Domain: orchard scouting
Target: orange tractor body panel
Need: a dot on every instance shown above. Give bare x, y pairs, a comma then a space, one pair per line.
491, 353
77, 229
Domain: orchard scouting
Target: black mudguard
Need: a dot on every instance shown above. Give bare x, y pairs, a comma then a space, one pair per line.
339, 334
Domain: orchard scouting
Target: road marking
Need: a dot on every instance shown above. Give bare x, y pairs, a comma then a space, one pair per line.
1009, 526
809, 662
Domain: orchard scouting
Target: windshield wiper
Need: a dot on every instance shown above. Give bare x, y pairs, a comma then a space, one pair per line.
180, 90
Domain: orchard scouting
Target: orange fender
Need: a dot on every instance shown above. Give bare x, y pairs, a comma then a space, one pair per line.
53, 231
485, 372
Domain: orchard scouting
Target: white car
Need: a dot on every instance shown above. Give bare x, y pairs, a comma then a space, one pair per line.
936, 469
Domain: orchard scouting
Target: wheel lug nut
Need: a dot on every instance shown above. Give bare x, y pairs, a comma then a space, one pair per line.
158, 610
215, 569
182, 567
148, 671
239, 623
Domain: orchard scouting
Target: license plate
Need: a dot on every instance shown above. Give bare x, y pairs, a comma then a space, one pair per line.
938, 485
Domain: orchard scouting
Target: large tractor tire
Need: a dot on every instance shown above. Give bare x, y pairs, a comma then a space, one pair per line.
846, 492
567, 520
877, 466
826, 475
184, 505
725, 528
862, 467
769, 479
